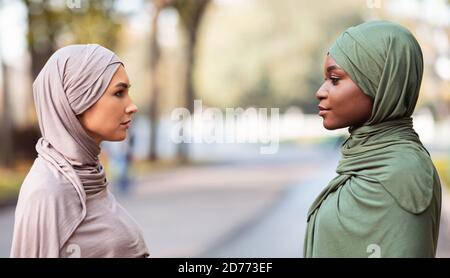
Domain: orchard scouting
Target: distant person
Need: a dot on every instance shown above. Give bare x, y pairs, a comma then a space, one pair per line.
386, 199
124, 178
65, 208
120, 157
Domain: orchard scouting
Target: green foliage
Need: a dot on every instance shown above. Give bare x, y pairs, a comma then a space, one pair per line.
53, 24
99, 24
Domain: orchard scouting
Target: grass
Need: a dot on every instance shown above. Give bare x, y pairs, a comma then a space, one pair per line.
442, 163
11, 179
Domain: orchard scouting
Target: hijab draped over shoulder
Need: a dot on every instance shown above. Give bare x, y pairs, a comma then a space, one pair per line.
65, 208
386, 199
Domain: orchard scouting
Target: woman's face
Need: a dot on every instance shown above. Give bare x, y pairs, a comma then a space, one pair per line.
341, 102
110, 117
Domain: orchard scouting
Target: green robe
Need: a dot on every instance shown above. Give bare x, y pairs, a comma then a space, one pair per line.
386, 199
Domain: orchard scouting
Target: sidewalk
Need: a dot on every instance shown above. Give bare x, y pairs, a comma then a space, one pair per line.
443, 250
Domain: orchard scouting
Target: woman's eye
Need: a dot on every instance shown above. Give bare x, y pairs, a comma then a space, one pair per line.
119, 94
334, 80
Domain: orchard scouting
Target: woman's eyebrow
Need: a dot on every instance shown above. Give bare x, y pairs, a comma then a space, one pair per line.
333, 67
123, 85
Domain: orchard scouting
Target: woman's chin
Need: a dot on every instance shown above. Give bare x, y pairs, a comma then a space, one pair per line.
117, 137
332, 125
329, 126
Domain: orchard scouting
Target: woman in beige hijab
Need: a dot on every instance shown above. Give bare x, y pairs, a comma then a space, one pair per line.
65, 208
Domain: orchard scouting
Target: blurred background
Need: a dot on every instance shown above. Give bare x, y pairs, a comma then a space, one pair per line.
214, 198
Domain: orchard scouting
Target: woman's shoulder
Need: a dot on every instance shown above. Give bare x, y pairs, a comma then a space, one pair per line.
410, 158
410, 179
47, 202
44, 180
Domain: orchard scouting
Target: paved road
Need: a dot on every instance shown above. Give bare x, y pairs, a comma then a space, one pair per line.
6, 226
203, 211
277, 231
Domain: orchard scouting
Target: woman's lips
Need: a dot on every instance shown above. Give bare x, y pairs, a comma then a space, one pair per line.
322, 110
126, 124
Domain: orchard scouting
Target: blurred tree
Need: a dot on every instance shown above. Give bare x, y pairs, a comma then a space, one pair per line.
42, 31
260, 94
191, 14
155, 56
98, 22
52, 24
6, 142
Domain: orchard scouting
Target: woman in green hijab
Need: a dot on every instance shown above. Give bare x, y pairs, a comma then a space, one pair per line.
386, 199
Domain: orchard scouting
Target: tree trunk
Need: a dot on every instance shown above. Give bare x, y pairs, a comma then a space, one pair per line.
6, 142
191, 14
155, 55
40, 54
189, 96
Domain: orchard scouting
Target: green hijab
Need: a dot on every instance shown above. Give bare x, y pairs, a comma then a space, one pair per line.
383, 155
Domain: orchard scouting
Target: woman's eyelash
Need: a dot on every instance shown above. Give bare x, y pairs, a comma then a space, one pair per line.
334, 80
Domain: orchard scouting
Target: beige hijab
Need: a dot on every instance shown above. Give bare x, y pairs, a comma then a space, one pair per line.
65, 208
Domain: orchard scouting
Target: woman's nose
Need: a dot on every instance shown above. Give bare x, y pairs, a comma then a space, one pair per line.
321, 92
131, 109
